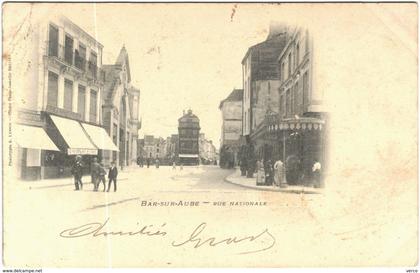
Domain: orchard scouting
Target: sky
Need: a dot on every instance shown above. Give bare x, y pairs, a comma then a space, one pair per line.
182, 56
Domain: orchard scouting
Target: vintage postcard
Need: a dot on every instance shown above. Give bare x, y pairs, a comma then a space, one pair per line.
210, 135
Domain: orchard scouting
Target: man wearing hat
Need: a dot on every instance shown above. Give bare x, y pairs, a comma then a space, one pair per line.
112, 176
77, 171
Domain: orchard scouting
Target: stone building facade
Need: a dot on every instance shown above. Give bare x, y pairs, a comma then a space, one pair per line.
260, 84
230, 141
60, 102
188, 132
207, 151
120, 111
301, 125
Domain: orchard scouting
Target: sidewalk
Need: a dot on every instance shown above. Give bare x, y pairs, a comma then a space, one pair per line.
68, 181
250, 183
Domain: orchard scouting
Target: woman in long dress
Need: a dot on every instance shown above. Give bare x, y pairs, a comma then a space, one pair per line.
260, 173
279, 173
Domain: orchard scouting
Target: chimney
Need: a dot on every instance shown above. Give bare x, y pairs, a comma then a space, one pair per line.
275, 29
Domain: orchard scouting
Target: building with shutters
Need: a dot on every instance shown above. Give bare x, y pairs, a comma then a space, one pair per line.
60, 102
301, 125
188, 134
260, 86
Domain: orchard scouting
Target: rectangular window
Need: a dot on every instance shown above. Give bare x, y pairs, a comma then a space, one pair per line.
80, 57
283, 72
298, 99
282, 105
68, 50
288, 102
292, 101
81, 100
305, 90
53, 41
52, 89
68, 94
297, 54
82, 50
93, 63
289, 65
93, 101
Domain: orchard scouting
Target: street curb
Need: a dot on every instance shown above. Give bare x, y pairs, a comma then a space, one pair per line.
66, 185
284, 190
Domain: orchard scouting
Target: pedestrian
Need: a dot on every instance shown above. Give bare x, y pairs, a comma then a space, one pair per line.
173, 165
94, 172
279, 173
269, 172
101, 176
316, 174
77, 172
157, 163
112, 176
260, 173
148, 162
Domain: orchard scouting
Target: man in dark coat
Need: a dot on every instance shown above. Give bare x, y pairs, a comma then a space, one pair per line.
101, 176
94, 172
77, 171
112, 176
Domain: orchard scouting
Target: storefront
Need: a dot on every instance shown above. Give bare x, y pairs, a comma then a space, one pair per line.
73, 138
189, 159
301, 143
30, 141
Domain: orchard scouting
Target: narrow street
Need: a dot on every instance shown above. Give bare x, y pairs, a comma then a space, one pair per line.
54, 206
60, 222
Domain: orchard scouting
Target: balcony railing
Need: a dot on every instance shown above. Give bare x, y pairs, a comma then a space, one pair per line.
72, 58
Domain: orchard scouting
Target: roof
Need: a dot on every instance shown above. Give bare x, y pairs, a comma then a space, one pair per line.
235, 95
263, 56
123, 58
189, 115
112, 74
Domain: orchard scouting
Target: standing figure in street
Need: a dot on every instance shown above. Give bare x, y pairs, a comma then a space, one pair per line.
269, 172
260, 173
293, 170
148, 162
173, 165
279, 174
112, 176
101, 177
316, 173
94, 171
77, 171
157, 163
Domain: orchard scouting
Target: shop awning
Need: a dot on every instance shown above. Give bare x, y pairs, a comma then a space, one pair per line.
99, 137
188, 156
303, 123
74, 136
33, 138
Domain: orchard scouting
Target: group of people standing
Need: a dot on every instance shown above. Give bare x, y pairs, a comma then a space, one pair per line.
269, 173
97, 172
280, 174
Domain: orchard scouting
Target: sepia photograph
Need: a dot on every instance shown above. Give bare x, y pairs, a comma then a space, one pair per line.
209, 135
